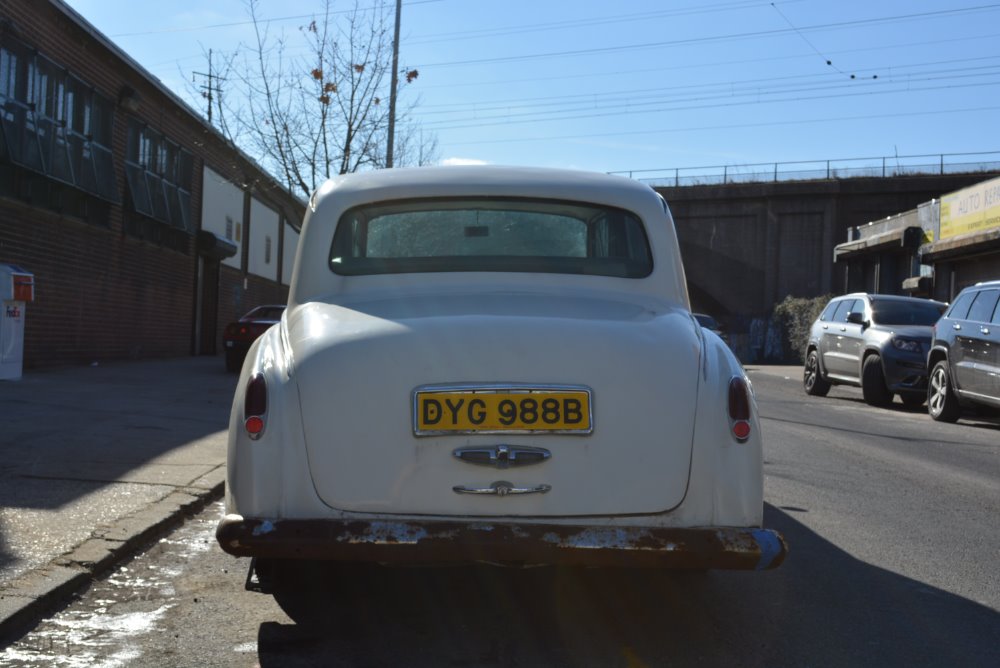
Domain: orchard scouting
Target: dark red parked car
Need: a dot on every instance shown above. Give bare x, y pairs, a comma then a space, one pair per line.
238, 336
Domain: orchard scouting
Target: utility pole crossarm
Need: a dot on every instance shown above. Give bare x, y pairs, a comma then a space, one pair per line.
210, 88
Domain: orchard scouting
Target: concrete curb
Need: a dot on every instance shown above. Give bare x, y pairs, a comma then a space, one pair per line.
25, 601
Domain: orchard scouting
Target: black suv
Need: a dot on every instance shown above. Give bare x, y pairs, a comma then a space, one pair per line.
879, 342
964, 363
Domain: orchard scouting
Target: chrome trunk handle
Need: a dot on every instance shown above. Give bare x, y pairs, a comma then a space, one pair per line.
502, 456
501, 488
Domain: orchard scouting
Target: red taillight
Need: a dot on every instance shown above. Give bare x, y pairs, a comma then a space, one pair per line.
739, 409
254, 425
255, 405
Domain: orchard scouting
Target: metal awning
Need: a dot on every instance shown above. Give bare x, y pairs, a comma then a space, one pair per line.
901, 237
975, 243
213, 246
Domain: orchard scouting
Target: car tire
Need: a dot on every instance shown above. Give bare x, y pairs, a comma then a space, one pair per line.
812, 378
942, 404
873, 382
913, 400
233, 362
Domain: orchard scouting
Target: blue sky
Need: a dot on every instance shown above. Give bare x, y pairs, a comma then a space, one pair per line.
646, 84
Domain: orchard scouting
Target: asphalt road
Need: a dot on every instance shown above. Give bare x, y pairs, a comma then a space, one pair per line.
891, 518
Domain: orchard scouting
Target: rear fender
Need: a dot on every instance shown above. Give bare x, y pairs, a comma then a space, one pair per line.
269, 475
726, 481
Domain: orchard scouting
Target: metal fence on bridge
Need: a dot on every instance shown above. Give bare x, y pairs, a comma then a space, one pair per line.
816, 170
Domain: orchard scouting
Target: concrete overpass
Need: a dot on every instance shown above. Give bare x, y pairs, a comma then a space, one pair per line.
747, 246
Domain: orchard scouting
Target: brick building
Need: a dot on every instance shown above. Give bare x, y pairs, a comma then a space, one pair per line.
145, 230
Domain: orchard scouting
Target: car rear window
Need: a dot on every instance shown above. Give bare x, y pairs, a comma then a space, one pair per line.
507, 235
896, 312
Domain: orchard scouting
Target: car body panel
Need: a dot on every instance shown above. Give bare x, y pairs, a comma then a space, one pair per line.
447, 542
339, 461
843, 344
975, 348
968, 338
389, 347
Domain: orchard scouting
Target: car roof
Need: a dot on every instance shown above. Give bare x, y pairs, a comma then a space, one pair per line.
312, 278
899, 298
494, 179
487, 181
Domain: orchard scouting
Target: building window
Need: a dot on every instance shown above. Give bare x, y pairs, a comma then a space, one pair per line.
158, 174
54, 125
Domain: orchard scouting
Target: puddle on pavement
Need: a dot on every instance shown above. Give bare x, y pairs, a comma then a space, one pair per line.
104, 627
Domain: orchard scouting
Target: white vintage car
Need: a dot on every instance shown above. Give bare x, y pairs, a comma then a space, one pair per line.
490, 365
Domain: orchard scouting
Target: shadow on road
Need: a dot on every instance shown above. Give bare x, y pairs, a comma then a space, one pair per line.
821, 608
86, 427
977, 416
70, 434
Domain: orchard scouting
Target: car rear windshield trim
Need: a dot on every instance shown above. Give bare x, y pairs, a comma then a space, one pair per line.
490, 235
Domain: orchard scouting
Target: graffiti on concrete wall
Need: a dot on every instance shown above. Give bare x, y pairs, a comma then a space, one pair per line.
761, 341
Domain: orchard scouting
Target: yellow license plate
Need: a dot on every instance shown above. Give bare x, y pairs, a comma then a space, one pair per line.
487, 410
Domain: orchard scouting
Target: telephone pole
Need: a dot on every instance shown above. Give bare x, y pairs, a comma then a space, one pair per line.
210, 87
395, 85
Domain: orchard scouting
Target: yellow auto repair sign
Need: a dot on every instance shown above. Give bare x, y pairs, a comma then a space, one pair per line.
972, 209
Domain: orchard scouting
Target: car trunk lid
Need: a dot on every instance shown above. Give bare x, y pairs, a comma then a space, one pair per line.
361, 368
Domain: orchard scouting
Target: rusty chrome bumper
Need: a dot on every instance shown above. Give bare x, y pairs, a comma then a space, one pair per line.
499, 542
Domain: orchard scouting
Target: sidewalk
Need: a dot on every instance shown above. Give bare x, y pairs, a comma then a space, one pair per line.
95, 461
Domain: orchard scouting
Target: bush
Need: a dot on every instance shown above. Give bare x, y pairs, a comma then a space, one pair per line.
796, 316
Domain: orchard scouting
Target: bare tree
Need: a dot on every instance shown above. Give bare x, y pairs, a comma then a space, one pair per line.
315, 104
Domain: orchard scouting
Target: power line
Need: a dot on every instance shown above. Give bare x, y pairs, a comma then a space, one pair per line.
715, 38
507, 103
806, 39
689, 65
434, 38
732, 126
693, 93
710, 38
277, 19
506, 121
